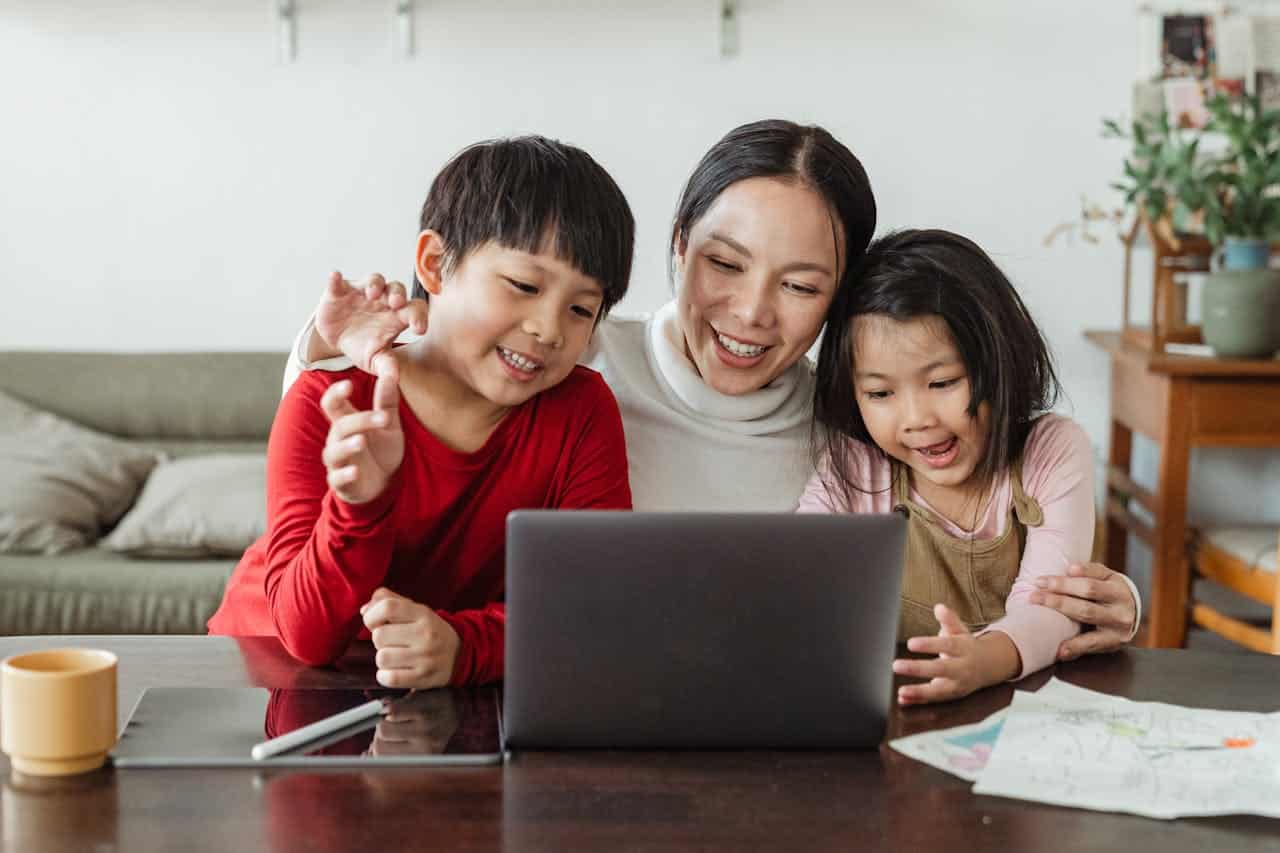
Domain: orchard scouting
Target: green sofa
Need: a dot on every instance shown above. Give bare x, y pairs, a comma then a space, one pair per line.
182, 403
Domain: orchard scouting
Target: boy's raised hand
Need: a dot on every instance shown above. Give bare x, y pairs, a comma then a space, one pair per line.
363, 449
363, 322
416, 648
959, 668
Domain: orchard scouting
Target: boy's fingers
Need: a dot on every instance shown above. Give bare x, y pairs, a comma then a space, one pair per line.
414, 316
396, 296
335, 403
357, 423
341, 477
386, 390
373, 287
338, 454
336, 287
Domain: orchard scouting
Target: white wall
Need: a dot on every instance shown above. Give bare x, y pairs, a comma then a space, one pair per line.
165, 182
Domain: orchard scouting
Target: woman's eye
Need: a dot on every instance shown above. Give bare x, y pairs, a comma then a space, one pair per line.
724, 265
802, 289
522, 286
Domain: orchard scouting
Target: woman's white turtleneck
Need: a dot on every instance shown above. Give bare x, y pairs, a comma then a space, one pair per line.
689, 447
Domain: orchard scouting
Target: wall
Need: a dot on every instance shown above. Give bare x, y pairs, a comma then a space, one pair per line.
166, 182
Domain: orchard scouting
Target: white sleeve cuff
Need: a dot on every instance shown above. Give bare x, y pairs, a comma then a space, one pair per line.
298, 357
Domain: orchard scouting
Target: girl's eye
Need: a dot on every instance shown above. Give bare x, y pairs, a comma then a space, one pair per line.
522, 286
585, 313
943, 383
724, 265
876, 395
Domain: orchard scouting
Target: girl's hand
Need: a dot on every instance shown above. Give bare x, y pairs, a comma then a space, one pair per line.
1093, 595
363, 449
963, 663
363, 322
416, 648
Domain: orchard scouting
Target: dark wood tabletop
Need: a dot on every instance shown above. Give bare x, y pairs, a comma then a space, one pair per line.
868, 800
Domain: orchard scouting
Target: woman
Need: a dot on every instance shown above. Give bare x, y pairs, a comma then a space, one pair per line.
715, 389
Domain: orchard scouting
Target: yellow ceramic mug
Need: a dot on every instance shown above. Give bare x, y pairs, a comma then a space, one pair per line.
58, 710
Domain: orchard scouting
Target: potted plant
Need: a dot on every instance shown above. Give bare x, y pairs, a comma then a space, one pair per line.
1240, 200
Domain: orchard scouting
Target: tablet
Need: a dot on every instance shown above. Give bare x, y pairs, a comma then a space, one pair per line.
219, 726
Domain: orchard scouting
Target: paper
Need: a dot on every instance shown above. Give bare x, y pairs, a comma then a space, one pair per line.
1075, 747
961, 751
1070, 746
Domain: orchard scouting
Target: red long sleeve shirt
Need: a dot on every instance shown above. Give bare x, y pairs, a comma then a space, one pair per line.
437, 535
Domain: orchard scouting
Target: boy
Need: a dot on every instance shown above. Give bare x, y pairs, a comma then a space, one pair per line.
387, 497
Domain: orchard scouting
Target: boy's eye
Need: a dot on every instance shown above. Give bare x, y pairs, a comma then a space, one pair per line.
522, 286
724, 265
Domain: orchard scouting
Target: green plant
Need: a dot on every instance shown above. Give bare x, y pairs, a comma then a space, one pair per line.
1163, 171
1242, 195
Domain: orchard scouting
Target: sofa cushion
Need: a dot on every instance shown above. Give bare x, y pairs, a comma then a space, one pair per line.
61, 484
200, 506
93, 591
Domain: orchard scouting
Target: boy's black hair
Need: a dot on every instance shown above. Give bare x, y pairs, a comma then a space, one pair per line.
921, 273
775, 148
518, 192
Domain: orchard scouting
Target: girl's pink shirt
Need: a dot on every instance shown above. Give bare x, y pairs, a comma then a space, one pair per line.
1057, 470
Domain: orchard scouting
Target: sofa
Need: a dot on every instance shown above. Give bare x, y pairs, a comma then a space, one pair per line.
190, 408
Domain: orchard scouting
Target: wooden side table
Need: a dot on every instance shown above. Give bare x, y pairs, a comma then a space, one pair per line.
1180, 402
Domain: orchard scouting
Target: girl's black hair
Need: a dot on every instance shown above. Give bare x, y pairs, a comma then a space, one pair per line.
922, 273
775, 148
514, 192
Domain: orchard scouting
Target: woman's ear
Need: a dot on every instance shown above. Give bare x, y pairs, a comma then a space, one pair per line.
679, 246
429, 261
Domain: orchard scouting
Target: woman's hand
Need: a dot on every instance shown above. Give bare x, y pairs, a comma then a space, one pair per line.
363, 449
1093, 595
964, 663
416, 648
363, 322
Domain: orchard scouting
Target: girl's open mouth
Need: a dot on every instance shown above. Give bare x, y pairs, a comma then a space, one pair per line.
940, 455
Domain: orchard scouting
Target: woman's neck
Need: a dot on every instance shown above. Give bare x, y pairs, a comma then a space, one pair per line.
447, 407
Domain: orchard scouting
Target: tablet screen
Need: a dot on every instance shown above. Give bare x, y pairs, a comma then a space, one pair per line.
217, 726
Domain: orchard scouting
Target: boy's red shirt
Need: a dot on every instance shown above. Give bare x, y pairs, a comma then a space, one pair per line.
437, 535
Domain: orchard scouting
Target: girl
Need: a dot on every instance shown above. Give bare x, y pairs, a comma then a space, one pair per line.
933, 391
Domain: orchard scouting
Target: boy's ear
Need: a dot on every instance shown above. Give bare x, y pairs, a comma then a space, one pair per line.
428, 261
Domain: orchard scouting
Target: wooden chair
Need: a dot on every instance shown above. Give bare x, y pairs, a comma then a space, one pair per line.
1244, 560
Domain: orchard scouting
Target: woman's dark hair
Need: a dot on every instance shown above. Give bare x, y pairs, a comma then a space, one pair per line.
924, 273
514, 192
782, 149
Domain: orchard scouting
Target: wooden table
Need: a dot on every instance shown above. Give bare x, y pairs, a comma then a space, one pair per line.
868, 800
1180, 402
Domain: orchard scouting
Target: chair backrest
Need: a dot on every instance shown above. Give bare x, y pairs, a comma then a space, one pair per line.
180, 402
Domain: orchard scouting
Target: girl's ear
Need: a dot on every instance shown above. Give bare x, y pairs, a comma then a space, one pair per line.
429, 261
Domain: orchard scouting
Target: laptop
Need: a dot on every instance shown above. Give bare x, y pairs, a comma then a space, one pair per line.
700, 630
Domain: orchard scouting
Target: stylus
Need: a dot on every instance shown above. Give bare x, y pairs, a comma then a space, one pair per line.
318, 729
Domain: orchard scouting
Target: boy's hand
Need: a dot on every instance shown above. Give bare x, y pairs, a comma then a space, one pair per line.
1093, 595
363, 449
959, 669
363, 322
416, 648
